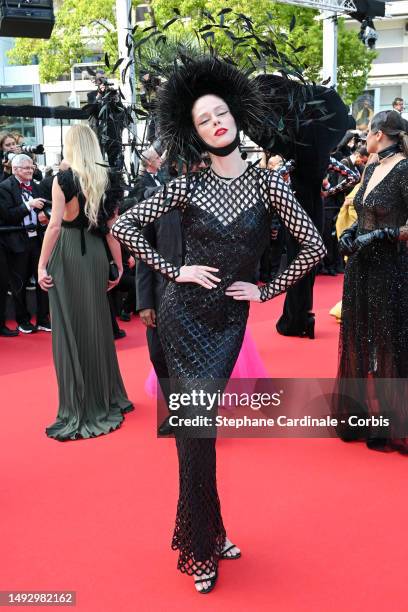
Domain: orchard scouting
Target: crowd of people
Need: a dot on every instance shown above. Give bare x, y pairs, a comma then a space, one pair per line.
25, 209
19, 247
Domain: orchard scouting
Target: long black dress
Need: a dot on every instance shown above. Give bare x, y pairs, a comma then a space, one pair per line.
373, 348
226, 224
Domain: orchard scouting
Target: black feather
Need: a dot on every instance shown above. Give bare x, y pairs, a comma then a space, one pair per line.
191, 79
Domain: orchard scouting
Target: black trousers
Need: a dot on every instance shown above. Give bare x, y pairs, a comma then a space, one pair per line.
22, 267
299, 298
127, 285
271, 257
4, 282
158, 361
333, 259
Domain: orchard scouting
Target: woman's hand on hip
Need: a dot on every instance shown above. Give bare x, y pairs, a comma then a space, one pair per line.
240, 290
44, 279
201, 275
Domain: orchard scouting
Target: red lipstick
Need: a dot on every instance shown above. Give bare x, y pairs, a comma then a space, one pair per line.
221, 131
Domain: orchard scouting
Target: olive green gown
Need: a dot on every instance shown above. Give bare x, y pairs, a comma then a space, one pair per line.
92, 397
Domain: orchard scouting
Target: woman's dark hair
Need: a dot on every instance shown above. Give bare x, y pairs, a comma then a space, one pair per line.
343, 147
392, 125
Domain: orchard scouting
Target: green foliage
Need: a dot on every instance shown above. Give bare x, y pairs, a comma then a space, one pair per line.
76, 34
306, 34
86, 25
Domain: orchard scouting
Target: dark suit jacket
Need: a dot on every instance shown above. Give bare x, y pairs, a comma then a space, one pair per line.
12, 212
144, 188
165, 236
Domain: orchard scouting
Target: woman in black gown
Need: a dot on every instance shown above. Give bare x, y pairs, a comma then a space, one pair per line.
226, 214
373, 366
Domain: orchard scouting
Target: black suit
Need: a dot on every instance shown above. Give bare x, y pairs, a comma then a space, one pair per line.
19, 253
145, 186
165, 235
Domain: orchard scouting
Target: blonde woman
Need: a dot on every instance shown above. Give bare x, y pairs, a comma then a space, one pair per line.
74, 268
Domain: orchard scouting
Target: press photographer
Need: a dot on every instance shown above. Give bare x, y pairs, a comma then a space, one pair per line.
20, 204
108, 119
150, 84
10, 147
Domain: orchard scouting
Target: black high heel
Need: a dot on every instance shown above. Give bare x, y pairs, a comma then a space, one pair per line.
309, 331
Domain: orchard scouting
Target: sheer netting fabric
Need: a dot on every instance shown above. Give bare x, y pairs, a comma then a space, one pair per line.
226, 225
373, 347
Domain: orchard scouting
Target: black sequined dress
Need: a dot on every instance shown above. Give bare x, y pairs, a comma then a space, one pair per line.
373, 348
226, 225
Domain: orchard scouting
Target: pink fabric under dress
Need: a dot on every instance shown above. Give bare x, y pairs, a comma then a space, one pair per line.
249, 365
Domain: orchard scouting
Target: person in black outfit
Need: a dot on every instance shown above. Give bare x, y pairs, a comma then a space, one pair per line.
164, 235
127, 286
20, 204
150, 178
347, 145
373, 344
8, 147
226, 212
150, 83
310, 148
333, 262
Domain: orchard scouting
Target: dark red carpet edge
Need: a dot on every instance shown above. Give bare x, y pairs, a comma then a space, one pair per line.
321, 523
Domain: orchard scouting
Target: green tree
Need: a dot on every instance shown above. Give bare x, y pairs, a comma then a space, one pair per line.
86, 25
82, 27
306, 33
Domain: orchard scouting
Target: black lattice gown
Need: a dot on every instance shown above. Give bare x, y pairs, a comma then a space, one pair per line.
226, 225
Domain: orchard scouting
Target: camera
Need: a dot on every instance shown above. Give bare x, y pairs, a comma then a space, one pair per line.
32, 150
368, 34
8, 156
26, 149
47, 209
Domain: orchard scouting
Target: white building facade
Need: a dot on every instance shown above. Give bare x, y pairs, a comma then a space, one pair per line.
388, 77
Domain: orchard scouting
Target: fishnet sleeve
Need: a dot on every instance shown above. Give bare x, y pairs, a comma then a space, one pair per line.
300, 226
128, 228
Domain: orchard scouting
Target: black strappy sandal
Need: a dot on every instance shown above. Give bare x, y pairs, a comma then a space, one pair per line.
212, 581
230, 557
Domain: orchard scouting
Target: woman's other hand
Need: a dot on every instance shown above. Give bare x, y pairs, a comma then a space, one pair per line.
44, 279
241, 290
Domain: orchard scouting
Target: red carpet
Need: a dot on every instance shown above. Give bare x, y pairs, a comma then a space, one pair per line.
321, 523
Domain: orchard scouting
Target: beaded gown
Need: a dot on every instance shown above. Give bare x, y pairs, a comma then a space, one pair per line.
226, 225
373, 348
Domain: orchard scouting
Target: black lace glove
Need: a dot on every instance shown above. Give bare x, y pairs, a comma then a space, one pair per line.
387, 233
346, 240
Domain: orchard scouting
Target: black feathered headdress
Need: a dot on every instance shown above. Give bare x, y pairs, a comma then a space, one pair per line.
192, 78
